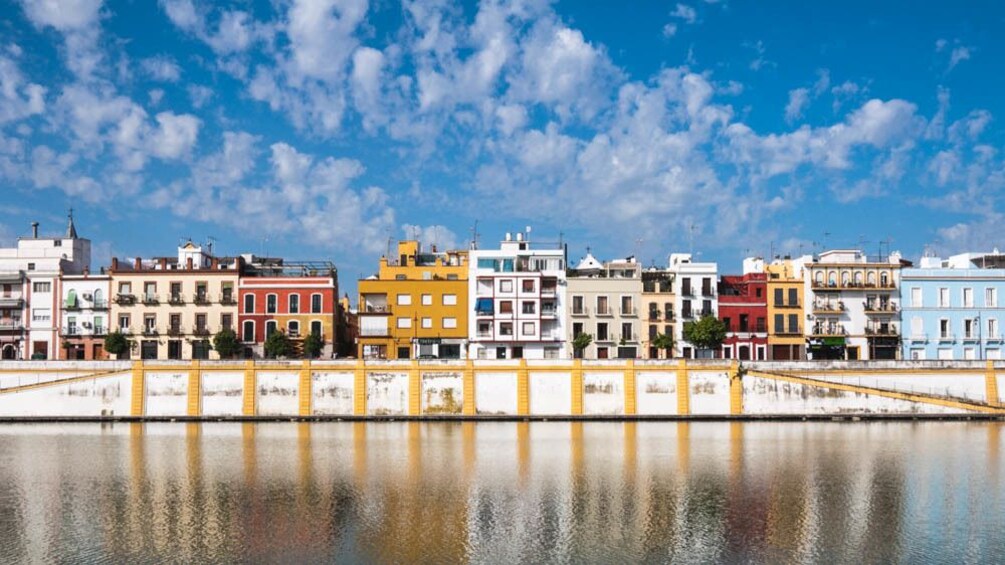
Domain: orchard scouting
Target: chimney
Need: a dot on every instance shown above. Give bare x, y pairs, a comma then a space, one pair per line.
138, 263
188, 263
115, 263
216, 263
164, 263
34, 230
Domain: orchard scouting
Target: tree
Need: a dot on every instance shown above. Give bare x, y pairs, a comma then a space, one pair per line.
707, 333
580, 343
313, 345
278, 345
664, 342
225, 343
116, 343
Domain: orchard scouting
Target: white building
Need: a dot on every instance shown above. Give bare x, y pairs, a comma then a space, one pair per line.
84, 316
30, 299
694, 297
518, 295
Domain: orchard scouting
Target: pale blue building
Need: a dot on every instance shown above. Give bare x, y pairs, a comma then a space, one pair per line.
952, 308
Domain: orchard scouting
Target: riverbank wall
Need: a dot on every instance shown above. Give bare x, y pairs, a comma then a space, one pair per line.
518, 389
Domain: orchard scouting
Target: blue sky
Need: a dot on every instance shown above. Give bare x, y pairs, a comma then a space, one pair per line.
320, 128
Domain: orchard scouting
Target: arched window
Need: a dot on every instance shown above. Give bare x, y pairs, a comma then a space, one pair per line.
820, 277
872, 278
249, 303
832, 278
270, 303
884, 279
293, 328
315, 304
294, 304
71, 299
845, 278
270, 328
858, 278
248, 331
316, 328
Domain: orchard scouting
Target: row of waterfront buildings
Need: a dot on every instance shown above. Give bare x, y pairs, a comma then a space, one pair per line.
517, 301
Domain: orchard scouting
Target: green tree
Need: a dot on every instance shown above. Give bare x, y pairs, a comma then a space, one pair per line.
580, 343
116, 343
278, 345
664, 342
313, 345
225, 343
707, 333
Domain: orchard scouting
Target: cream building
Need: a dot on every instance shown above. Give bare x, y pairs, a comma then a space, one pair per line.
172, 307
604, 303
657, 310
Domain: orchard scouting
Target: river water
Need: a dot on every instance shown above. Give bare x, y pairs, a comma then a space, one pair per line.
503, 492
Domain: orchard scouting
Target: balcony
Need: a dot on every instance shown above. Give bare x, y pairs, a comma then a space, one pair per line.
70, 331
549, 290
708, 291
176, 330
227, 298
795, 304
204, 331
549, 312
971, 337
125, 299
653, 316
828, 307
151, 299
706, 312
686, 291
100, 331
371, 309
946, 337
788, 332
99, 304
919, 337
629, 338
604, 339
176, 299
687, 315
629, 312
583, 311
829, 330
604, 313
11, 324
11, 301
880, 308
150, 331
10, 277
200, 299
881, 331
71, 306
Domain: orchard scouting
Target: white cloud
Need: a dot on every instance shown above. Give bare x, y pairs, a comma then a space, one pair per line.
19, 98
959, 54
685, 13
162, 68
438, 236
175, 135
799, 100
63, 15
199, 95
669, 30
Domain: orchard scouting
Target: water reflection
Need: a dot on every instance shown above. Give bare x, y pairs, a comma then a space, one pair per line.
502, 492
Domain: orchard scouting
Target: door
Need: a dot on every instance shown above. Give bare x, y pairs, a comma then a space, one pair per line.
853, 353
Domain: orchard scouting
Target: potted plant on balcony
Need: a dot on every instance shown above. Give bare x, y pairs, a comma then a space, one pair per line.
116, 344
226, 344
580, 343
707, 333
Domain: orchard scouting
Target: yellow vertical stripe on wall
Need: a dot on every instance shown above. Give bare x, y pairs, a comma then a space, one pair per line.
304, 389
139, 382
522, 390
359, 389
250, 386
683, 389
577, 387
735, 390
194, 389
630, 398
991, 384
468, 393
414, 390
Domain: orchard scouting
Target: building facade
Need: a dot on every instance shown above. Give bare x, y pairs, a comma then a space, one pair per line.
852, 306
416, 306
604, 302
296, 298
657, 310
743, 308
171, 307
29, 290
84, 316
694, 298
951, 309
785, 308
519, 297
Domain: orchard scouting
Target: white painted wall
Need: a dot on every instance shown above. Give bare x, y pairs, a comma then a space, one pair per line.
550, 393
656, 393
768, 396
109, 395
709, 393
222, 394
442, 393
969, 386
387, 394
332, 393
603, 393
166, 394
495, 393
277, 394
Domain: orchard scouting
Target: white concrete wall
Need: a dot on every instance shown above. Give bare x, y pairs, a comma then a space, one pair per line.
709, 393
387, 394
101, 396
222, 394
495, 393
656, 393
603, 394
277, 393
166, 393
969, 386
550, 394
332, 393
442, 393
769, 396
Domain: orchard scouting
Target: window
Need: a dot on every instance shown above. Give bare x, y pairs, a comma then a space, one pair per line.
200, 323
779, 297
627, 308
404, 323
41, 287
404, 300
270, 328
500, 353
294, 304
41, 314
450, 300
200, 349
626, 332
449, 323
943, 298
518, 353
270, 304
486, 263
992, 328
175, 292
528, 307
602, 353
427, 323
316, 328
427, 299
174, 322
125, 288
484, 329
793, 323
779, 323
293, 328
793, 297
968, 328
916, 297
31, 266
57, 243
249, 303
149, 322
316, 303
602, 331
527, 285
968, 298
917, 327
991, 297
577, 305
124, 322
248, 331
505, 306
944, 328
484, 287
506, 328
577, 328
506, 285
529, 328
404, 353
601, 305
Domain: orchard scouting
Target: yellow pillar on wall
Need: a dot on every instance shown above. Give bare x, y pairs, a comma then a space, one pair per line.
194, 389
304, 389
136, 406
522, 389
683, 389
630, 398
468, 393
414, 389
735, 390
250, 385
991, 383
577, 387
359, 389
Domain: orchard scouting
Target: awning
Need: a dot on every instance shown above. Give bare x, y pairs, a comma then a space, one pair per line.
484, 305
834, 341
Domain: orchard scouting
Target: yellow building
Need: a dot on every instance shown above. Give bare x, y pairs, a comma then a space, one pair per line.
416, 306
657, 310
785, 308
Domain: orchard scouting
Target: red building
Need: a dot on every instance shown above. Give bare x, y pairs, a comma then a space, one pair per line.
295, 298
743, 306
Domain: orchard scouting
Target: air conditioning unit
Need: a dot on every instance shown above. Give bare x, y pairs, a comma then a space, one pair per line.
86, 324
87, 296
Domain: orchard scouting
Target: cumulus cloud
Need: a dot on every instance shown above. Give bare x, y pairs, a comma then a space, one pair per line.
438, 236
799, 99
685, 13
161, 68
78, 21
958, 52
